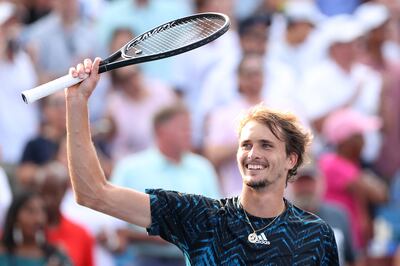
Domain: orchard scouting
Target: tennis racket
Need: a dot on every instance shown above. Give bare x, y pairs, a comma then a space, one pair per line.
169, 39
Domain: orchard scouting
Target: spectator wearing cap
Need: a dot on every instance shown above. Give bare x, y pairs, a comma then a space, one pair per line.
347, 184
307, 192
340, 81
296, 48
375, 17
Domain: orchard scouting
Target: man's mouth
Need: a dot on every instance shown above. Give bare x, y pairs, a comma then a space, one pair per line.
255, 166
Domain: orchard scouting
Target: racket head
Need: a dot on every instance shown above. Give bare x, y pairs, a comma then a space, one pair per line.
169, 39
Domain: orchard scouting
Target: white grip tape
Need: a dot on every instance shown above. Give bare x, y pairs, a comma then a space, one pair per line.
32, 95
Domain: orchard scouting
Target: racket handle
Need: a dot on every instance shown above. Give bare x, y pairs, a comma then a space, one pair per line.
32, 95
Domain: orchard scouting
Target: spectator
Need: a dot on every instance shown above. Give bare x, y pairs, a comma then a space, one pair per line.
52, 182
297, 48
23, 241
376, 18
386, 237
60, 39
168, 165
140, 16
131, 105
307, 194
221, 86
43, 147
99, 225
35, 9
189, 78
340, 81
252, 34
347, 184
13, 112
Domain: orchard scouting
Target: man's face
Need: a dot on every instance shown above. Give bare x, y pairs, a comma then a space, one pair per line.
261, 157
305, 193
344, 51
251, 77
255, 41
177, 132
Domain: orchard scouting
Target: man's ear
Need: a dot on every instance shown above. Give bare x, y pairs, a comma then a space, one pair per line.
292, 160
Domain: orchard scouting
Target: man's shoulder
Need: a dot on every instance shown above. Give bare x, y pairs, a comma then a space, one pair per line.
197, 159
307, 219
173, 197
140, 158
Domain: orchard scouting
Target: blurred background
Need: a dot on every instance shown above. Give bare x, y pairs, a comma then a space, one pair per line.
172, 123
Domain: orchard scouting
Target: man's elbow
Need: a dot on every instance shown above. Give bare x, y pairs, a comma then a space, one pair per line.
91, 200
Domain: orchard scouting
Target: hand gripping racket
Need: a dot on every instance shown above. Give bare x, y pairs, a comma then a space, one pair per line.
169, 39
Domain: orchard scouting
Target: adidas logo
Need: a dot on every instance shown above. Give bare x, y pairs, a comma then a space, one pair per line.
262, 239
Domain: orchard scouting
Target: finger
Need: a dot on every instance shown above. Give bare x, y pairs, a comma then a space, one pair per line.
96, 64
87, 63
81, 70
72, 71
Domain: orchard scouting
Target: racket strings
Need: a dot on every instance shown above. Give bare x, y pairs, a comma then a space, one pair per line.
181, 34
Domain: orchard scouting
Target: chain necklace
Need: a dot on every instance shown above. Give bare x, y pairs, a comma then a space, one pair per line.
253, 237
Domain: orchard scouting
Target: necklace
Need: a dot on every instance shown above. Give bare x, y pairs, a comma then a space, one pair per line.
253, 237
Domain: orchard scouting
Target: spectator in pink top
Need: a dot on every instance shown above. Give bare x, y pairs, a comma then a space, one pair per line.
347, 183
131, 104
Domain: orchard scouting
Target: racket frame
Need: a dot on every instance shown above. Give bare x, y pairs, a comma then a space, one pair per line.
110, 63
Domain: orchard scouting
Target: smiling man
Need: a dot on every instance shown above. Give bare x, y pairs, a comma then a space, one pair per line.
259, 227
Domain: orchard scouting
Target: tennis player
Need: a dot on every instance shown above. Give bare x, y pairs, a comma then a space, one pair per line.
259, 227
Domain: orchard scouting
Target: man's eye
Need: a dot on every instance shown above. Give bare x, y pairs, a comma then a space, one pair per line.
246, 146
266, 146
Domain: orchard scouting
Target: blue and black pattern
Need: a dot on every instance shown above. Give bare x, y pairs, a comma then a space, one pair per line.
215, 232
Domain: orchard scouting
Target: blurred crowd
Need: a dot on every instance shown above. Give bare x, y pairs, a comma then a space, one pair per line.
172, 123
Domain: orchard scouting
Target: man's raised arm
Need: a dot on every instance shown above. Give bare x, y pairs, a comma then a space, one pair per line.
88, 180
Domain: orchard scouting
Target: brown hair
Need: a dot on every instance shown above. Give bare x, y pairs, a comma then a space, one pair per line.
167, 113
286, 127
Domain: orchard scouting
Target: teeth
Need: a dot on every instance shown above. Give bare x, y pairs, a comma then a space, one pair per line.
255, 166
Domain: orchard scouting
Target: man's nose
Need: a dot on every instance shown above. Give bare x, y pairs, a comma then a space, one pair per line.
253, 153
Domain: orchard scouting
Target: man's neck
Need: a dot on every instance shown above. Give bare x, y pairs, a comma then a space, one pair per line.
264, 204
172, 156
253, 99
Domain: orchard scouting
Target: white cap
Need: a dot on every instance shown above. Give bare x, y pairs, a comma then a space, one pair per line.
7, 10
303, 10
341, 29
372, 15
